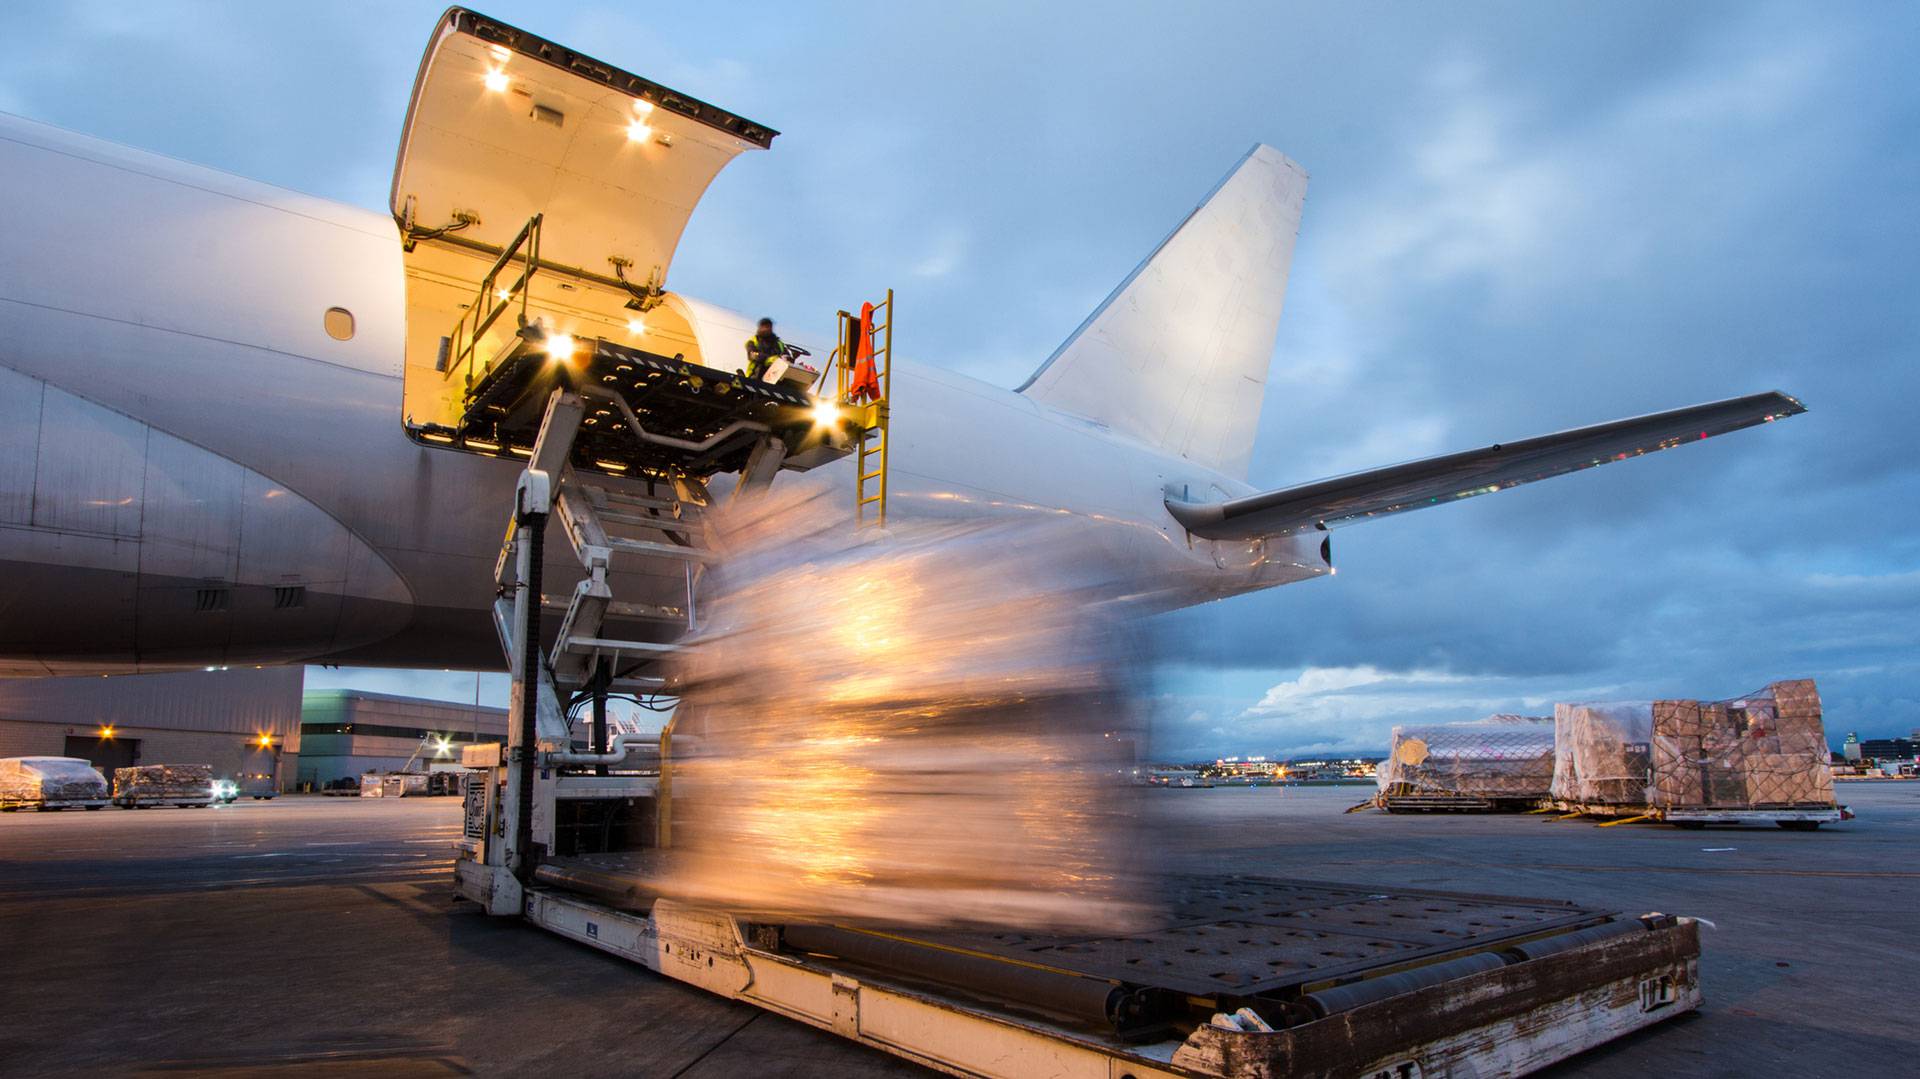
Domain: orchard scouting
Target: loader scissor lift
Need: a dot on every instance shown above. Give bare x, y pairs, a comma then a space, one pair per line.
1245, 977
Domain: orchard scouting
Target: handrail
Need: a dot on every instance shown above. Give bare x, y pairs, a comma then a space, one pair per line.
492, 302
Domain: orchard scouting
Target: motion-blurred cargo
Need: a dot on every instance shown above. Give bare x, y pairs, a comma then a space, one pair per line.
50, 783
929, 727
1501, 762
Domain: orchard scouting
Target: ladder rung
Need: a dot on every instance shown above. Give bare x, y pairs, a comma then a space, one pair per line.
625, 499
869, 500
664, 524
661, 550
603, 644
646, 612
865, 476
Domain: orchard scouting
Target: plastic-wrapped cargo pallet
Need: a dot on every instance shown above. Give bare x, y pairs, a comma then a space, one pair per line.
1764, 750
1503, 761
50, 782
1602, 753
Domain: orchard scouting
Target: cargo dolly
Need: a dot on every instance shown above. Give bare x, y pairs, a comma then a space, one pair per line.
1240, 977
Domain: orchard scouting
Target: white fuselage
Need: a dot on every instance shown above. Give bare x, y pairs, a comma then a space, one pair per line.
194, 472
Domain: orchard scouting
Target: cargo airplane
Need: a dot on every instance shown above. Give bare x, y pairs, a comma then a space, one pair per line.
223, 404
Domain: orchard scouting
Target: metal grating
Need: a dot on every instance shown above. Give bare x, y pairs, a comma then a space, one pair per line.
1248, 935
1221, 936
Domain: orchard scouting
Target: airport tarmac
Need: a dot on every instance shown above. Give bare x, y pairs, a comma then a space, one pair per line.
261, 936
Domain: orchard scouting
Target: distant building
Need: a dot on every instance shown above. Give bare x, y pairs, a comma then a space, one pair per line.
1887, 749
346, 733
1850, 749
241, 721
1243, 766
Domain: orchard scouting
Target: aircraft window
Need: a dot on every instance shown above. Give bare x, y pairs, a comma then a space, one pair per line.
339, 323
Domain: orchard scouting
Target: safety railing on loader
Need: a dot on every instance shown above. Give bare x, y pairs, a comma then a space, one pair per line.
861, 368
492, 301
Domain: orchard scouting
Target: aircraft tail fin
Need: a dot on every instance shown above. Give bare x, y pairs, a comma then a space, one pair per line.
1177, 356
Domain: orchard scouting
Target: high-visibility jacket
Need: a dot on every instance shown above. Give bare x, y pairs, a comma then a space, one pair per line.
866, 376
762, 352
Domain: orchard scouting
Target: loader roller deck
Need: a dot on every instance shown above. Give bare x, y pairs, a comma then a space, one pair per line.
1353, 980
1225, 937
704, 419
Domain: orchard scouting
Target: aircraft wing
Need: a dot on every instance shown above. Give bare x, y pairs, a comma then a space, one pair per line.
1415, 484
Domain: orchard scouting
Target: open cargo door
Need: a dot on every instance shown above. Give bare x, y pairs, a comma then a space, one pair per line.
539, 186
504, 125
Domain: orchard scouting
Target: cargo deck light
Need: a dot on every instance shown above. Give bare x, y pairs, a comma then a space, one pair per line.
496, 81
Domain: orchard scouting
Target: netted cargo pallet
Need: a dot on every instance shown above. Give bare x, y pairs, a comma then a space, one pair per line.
1503, 762
163, 785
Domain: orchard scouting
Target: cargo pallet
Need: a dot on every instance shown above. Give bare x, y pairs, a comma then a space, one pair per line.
150, 801
1463, 803
1790, 817
12, 805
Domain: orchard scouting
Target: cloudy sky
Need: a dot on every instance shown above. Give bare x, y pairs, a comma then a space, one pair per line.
1523, 217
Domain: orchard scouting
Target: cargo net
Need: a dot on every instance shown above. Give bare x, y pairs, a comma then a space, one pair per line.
50, 779
1503, 758
927, 726
1765, 750
163, 781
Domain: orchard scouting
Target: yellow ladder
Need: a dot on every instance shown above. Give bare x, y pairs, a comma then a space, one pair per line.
870, 460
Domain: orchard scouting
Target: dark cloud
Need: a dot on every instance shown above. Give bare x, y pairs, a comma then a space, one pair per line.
1523, 217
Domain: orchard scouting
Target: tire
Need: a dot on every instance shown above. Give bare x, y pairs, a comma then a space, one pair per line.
96, 807
1799, 825
1689, 825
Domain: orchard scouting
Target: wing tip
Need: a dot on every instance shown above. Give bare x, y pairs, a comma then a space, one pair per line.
1793, 406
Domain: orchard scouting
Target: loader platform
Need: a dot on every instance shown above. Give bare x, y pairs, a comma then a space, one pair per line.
648, 414
1242, 976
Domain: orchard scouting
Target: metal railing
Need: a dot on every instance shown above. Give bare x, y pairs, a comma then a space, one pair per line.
463, 344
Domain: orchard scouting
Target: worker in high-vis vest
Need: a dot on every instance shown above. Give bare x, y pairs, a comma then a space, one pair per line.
763, 348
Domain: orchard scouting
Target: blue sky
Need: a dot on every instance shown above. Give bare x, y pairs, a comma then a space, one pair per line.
1523, 217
